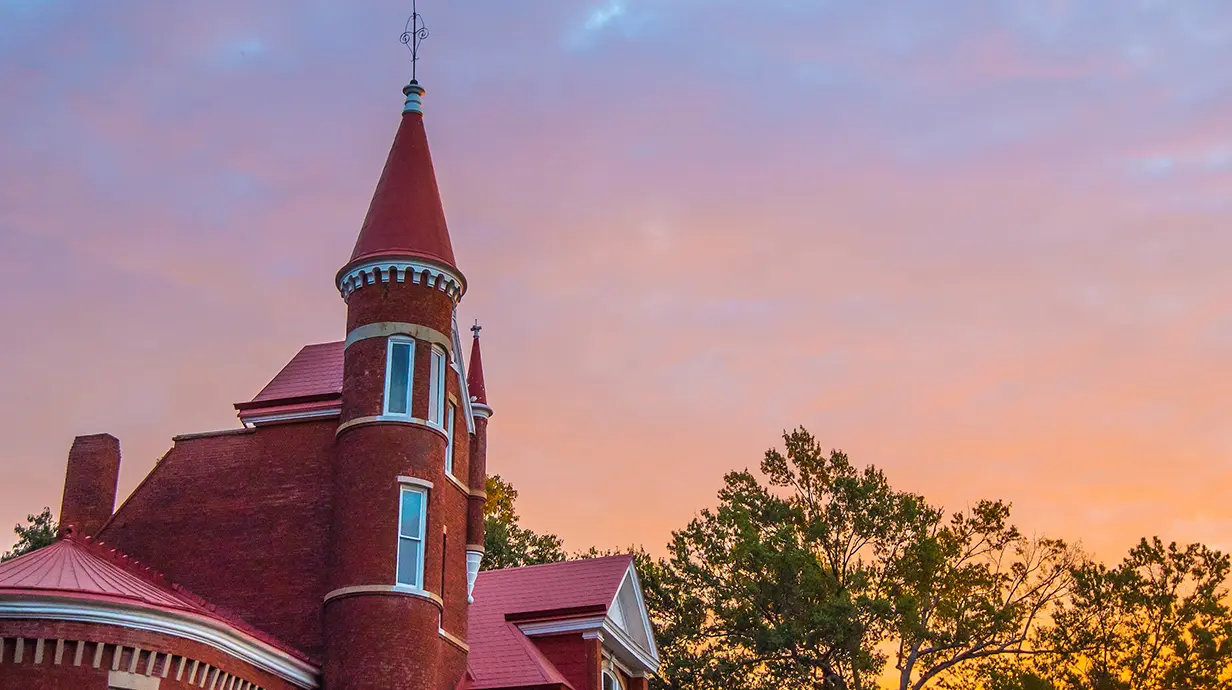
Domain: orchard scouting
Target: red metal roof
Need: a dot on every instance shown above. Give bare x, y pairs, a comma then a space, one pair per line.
501, 656
315, 373
82, 569
406, 218
474, 374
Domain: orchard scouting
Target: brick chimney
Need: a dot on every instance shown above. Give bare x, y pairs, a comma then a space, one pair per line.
90, 483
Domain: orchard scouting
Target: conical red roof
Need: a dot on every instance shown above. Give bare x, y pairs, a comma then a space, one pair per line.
406, 218
474, 374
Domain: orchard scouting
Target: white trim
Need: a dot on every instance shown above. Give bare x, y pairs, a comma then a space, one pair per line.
388, 419
460, 366
258, 420
453, 639
392, 342
209, 632
625, 644
415, 481
613, 636
414, 98
481, 410
554, 627
407, 590
421, 538
437, 383
384, 329
456, 482
473, 560
421, 272
451, 413
617, 683
631, 574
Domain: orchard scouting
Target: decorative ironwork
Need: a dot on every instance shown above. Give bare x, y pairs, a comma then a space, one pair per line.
476, 328
416, 31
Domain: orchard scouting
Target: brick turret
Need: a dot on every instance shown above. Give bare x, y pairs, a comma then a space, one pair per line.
478, 462
396, 612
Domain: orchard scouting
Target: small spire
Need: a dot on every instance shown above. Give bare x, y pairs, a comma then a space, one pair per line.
414, 34
474, 372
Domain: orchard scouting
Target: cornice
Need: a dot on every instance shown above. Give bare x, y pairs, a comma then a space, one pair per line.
205, 631
418, 271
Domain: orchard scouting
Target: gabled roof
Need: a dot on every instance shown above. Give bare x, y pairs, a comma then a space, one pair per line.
91, 573
405, 218
315, 371
310, 382
502, 655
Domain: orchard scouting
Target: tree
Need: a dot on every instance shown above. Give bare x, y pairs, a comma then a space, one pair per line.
773, 591
507, 544
41, 531
1159, 620
808, 579
974, 588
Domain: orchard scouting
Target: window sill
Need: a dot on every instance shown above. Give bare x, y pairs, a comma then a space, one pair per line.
391, 419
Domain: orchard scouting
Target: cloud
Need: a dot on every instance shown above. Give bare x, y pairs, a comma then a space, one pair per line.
603, 15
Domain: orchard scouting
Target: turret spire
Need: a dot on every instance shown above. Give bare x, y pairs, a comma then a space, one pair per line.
404, 236
474, 372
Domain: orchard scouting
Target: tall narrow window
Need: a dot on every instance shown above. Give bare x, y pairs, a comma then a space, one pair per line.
411, 537
399, 360
450, 413
436, 399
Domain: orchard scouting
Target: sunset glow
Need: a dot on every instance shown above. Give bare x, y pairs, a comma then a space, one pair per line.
983, 248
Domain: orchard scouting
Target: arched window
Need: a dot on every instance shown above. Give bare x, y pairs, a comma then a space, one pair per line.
611, 681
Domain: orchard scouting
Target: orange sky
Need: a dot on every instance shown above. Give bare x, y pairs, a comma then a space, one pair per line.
985, 249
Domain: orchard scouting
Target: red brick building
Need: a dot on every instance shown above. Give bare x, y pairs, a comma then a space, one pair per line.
334, 540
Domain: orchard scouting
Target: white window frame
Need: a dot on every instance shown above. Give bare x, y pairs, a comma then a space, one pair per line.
421, 538
410, 374
451, 411
607, 673
436, 395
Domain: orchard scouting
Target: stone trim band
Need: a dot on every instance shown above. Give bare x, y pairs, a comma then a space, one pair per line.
384, 329
386, 590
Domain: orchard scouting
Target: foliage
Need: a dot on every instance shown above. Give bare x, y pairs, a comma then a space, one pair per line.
771, 590
973, 588
507, 544
40, 532
1158, 620
806, 580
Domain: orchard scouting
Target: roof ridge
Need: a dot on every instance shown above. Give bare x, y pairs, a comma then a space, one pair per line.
558, 564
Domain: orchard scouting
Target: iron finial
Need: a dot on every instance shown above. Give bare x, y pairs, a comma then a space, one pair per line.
416, 31
476, 328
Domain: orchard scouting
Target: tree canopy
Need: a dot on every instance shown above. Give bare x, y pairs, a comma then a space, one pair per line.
506, 543
39, 531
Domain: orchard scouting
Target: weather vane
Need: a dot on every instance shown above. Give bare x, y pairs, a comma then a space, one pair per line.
414, 34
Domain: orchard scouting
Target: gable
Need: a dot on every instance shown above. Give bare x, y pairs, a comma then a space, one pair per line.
241, 518
628, 613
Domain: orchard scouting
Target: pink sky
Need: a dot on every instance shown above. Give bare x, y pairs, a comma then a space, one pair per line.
985, 249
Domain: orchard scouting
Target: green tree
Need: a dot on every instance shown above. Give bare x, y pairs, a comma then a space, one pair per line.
1159, 620
808, 578
40, 532
507, 544
973, 588
779, 586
